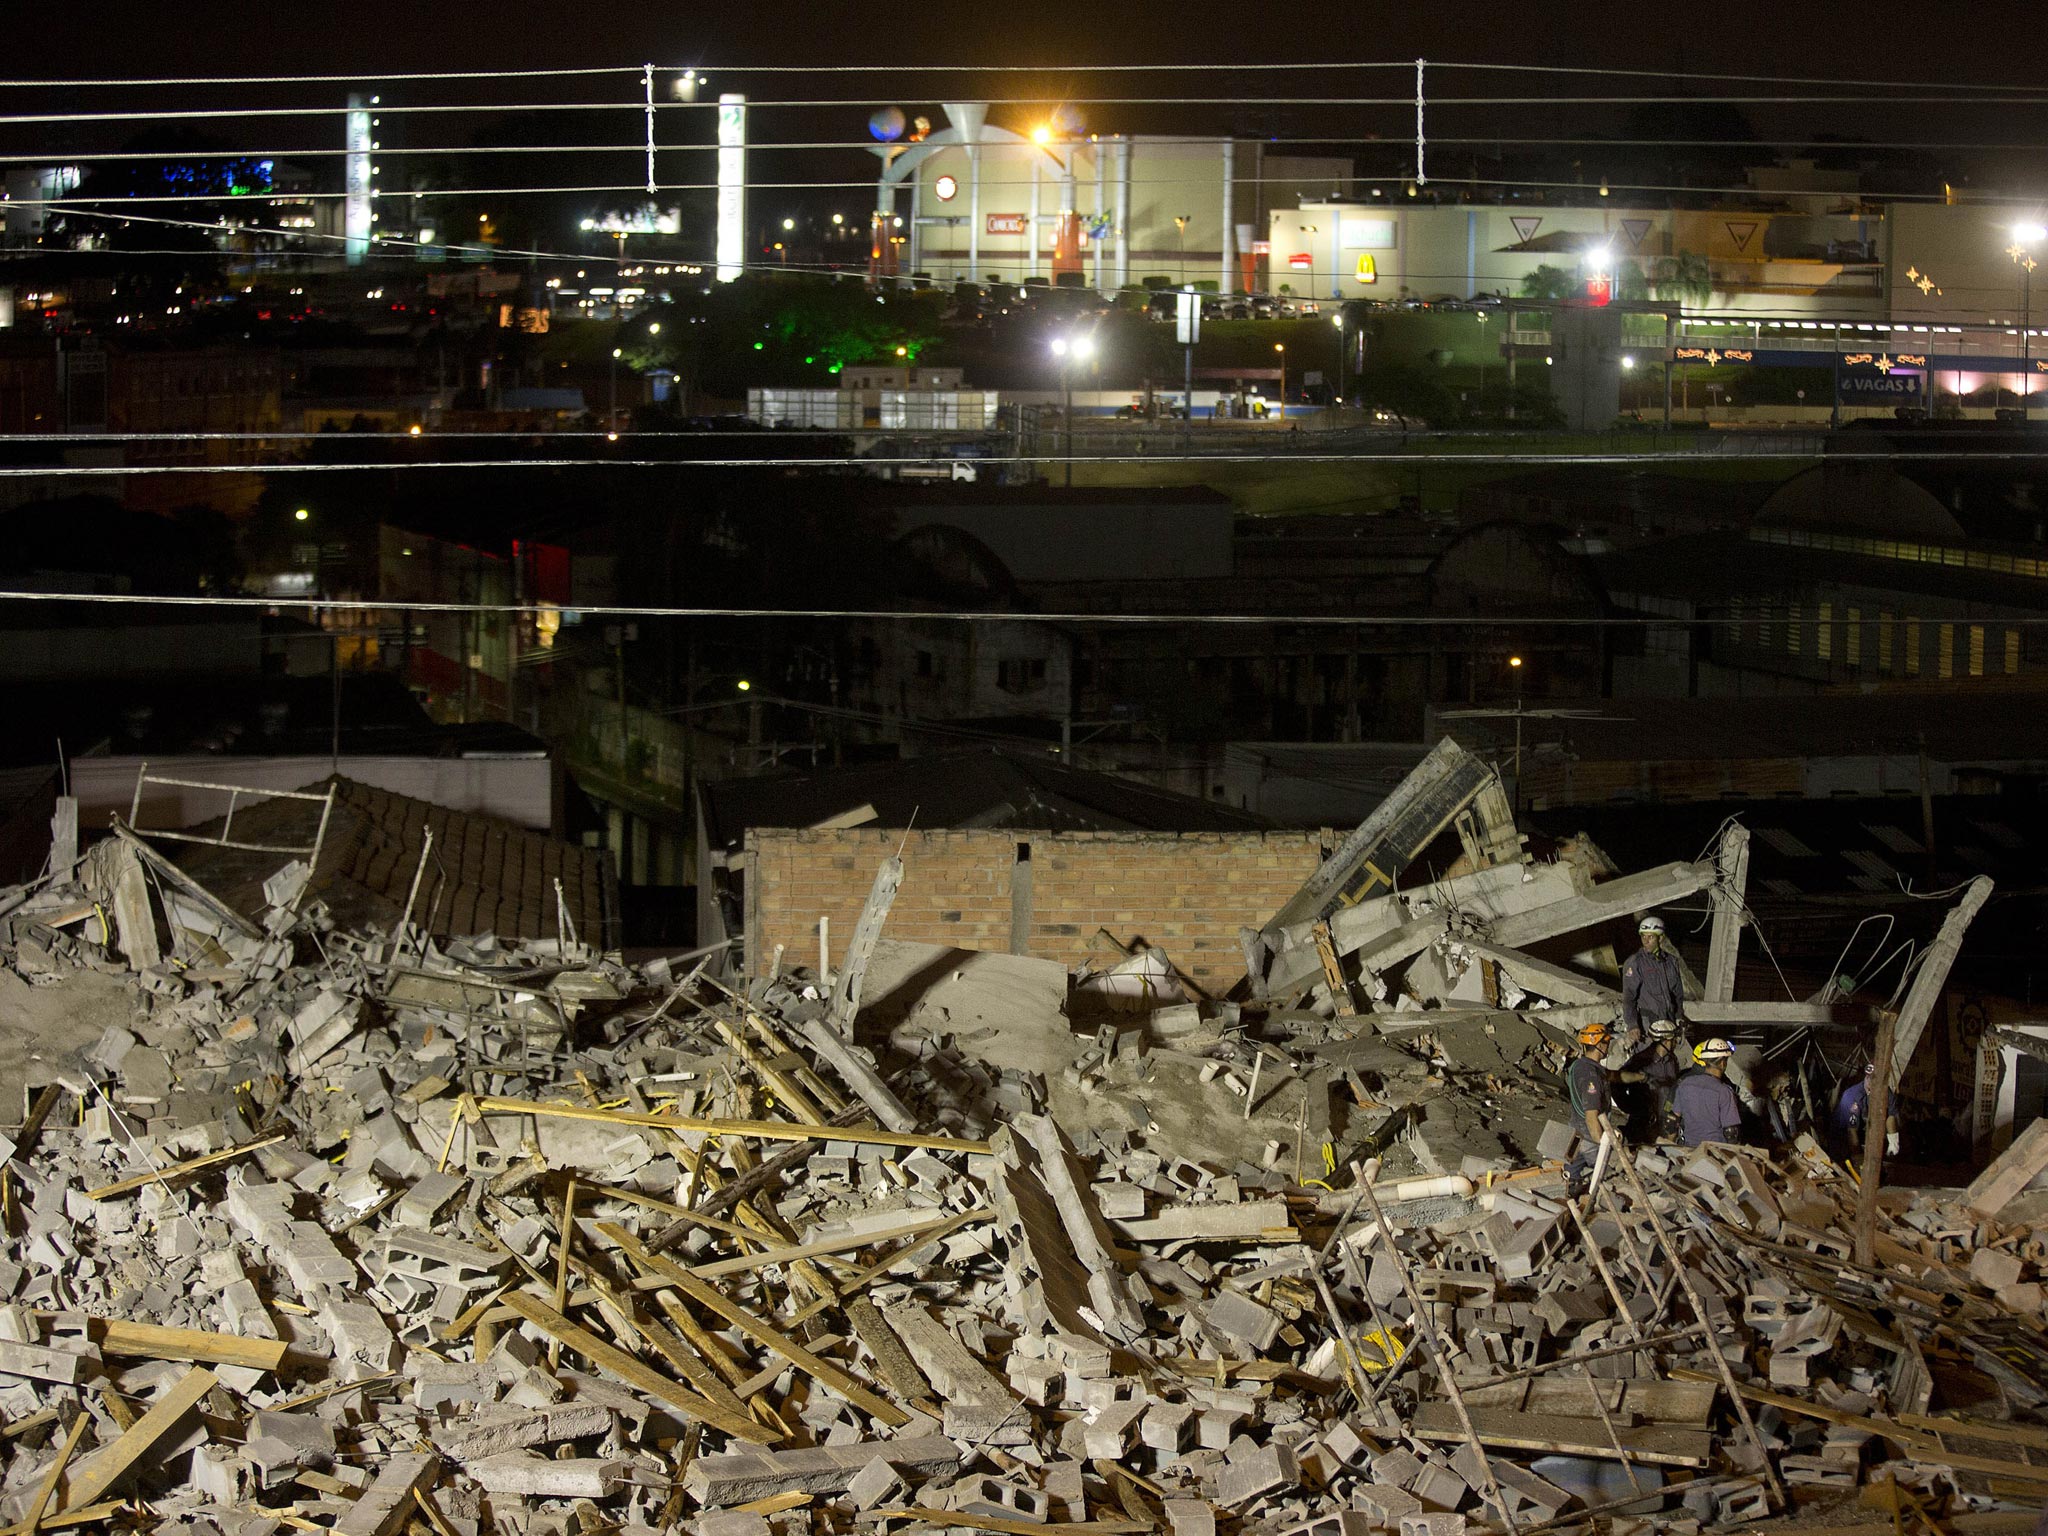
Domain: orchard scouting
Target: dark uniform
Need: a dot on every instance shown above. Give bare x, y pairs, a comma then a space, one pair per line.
1586, 1080
1707, 1108
1659, 1066
1652, 987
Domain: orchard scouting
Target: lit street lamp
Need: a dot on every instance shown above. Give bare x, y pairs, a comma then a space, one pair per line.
2024, 238
1337, 382
1281, 348
1069, 350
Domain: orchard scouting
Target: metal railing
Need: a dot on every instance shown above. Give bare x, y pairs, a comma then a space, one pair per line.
311, 853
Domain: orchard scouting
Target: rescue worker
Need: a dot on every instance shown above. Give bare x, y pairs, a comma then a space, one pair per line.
1707, 1107
1852, 1114
1656, 1068
1586, 1082
1652, 986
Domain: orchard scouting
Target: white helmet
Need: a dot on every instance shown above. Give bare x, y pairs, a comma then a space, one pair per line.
1663, 1029
1715, 1049
1651, 924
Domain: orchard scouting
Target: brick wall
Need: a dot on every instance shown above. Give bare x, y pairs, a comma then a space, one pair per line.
1188, 894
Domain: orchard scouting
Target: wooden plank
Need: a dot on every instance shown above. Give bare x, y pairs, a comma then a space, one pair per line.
387, 1504
953, 1519
134, 917
1662, 1445
830, 1245
1728, 899
108, 1467
767, 1130
179, 1170
91, 1514
118, 1337
48, 1487
762, 1333
2009, 1172
1890, 1429
636, 1374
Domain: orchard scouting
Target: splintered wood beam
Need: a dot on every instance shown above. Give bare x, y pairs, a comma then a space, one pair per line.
767, 1130
633, 1372
179, 1170
108, 1467
762, 1333
150, 1342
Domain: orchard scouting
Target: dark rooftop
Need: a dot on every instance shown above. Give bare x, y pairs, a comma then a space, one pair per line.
982, 788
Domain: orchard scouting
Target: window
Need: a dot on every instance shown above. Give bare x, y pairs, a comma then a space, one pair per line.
1884, 643
930, 665
1945, 651
1912, 647
1021, 674
2012, 651
1792, 630
1824, 633
1976, 650
1852, 638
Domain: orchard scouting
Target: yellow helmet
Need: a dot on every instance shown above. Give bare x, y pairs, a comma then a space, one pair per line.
1715, 1049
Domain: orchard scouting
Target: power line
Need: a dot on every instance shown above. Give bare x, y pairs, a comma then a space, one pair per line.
356, 79
1419, 621
1766, 456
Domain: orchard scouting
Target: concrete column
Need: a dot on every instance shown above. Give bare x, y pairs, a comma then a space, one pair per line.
1227, 282
914, 260
1031, 257
974, 213
1101, 207
1123, 212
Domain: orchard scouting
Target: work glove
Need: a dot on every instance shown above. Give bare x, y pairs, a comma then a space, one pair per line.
1891, 1143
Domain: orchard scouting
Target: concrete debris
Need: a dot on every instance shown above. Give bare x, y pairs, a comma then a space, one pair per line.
635, 1249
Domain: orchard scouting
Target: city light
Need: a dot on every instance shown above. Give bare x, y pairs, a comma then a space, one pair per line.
301, 515
1041, 135
1514, 661
744, 686
788, 224
2030, 233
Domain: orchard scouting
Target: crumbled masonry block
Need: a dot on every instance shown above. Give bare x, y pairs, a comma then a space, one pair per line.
1259, 1472
1242, 1319
1191, 1517
1995, 1269
1436, 1523
731, 1522
739, 1477
530, 1476
875, 1484
1385, 1506
1555, 1144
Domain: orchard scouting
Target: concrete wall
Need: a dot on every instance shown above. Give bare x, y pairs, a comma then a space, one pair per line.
1035, 893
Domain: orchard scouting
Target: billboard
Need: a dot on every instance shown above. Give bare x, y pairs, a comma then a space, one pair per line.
1006, 223
732, 185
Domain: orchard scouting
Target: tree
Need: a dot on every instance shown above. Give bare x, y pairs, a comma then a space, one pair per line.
1551, 283
1685, 279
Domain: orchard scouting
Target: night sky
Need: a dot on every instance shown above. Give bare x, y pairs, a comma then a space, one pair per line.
1886, 39
1878, 40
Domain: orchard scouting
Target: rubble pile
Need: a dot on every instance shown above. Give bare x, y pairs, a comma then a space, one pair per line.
369, 1231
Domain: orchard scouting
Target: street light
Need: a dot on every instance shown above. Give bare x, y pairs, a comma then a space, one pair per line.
1281, 348
1077, 348
1337, 388
2025, 237
788, 224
